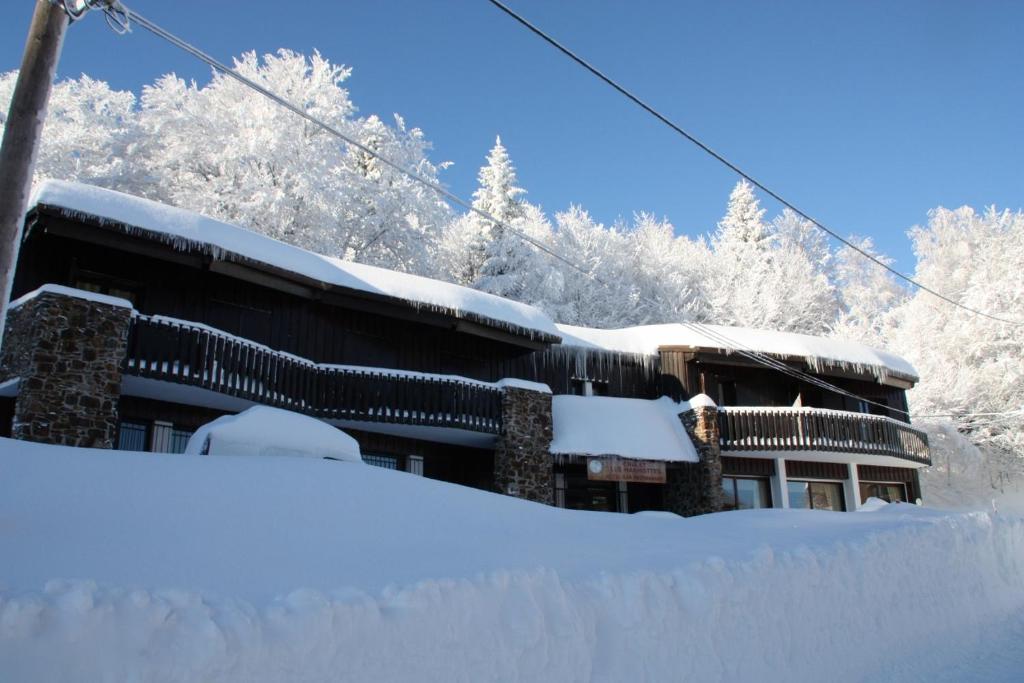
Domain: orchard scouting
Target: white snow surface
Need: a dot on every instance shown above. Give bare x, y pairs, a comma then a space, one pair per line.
142, 567
819, 352
516, 383
266, 431
187, 227
72, 292
626, 427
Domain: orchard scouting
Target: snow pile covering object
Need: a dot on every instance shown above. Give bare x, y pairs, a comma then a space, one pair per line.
185, 228
627, 427
123, 566
262, 430
819, 352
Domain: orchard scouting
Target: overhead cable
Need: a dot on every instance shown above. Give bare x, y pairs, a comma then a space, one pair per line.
733, 167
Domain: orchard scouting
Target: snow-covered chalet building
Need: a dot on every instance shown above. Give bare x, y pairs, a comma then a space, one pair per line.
133, 323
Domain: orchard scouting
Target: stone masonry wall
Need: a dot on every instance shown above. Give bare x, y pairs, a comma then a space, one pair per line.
67, 351
522, 460
697, 489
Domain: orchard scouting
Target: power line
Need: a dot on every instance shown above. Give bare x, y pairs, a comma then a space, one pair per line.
733, 167
123, 18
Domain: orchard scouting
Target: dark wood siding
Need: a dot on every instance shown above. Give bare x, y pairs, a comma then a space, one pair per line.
799, 469
317, 330
747, 467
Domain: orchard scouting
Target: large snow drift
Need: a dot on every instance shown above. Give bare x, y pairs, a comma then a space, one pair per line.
121, 566
188, 228
626, 427
264, 431
818, 352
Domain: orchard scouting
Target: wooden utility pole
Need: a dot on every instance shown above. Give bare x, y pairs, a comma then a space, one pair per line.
21, 133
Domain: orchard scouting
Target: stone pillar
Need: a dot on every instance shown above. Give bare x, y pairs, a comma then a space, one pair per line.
522, 460
67, 353
697, 489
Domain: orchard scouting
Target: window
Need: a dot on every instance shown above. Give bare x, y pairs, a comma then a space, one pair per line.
889, 492
414, 465
101, 283
579, 386
388, 462
816, 495
131, 436
168, 439
727, 392
742, 493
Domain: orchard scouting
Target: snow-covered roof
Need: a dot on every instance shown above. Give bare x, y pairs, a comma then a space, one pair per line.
818, 352
626, 427
189, 230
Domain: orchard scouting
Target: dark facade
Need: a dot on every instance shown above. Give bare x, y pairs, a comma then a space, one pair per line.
237, 332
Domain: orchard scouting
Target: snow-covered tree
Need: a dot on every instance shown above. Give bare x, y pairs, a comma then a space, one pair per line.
222, 150
969, 364
88, 132
758, 277
744, 218
868, 295
499, 195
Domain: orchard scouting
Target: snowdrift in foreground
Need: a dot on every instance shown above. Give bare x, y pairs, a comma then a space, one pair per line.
121, 566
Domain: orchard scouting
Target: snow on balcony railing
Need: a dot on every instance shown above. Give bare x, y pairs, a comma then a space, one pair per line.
818, 429
194, 354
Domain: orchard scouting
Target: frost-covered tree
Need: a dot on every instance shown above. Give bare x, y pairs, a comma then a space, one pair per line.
744, 218
868, 295
969, 364
665, 272
759, 277
499, 195
88, 132
600, 295
222, 150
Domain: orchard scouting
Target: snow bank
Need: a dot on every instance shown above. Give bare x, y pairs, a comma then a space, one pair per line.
626, 427
189, 229
121, 566
262, 430
819, 352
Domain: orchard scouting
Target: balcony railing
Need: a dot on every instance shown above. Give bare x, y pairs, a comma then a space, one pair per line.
191, 354
814, 429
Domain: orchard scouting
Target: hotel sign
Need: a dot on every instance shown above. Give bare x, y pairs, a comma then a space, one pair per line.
620, 469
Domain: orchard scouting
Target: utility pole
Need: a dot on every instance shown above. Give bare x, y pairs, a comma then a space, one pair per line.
21, 133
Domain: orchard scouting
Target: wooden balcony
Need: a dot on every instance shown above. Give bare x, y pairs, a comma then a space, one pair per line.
199, 356
815, 429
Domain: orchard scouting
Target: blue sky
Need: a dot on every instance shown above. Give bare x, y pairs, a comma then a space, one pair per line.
865, 114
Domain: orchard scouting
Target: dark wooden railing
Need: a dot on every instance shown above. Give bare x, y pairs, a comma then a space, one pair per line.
814, 429
203, 357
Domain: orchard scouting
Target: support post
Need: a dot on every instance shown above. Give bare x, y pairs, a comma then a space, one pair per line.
24, 123
852, 489
780, 492
66, 352
522, 460
697, 489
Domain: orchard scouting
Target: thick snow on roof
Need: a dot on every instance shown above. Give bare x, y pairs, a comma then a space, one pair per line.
627, 427
187, 228
819, 352
262, 430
